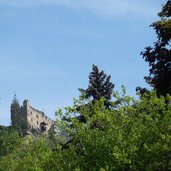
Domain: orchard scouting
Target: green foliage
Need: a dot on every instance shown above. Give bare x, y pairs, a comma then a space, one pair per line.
53, 138
133, 135
9, 139
30, 156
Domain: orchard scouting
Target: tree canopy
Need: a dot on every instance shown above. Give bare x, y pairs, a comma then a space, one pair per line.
135, 136
159, 56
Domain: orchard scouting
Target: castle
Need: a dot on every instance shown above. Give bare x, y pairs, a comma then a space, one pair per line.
29, 119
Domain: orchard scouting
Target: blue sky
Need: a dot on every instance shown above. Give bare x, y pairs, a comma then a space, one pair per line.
47, 48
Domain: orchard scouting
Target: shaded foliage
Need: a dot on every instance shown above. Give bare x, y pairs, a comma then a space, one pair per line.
99, 87
159, 56
10, 138
142, 90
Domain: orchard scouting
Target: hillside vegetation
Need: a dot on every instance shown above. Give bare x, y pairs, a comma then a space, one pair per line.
106, 130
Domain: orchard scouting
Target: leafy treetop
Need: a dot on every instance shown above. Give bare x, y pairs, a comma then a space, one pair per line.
159, 56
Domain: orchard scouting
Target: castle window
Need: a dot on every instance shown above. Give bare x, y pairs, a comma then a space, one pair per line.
37, 116
43, 126
32, 120
37, 123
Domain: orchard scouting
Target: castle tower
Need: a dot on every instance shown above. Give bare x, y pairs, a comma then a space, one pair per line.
15, 109
18, 114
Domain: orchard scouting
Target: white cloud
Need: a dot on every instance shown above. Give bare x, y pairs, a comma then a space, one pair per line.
102, 7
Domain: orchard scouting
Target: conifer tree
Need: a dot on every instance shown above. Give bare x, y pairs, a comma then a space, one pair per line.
99, 86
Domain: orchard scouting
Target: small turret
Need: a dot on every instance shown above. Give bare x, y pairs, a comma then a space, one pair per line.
25, 103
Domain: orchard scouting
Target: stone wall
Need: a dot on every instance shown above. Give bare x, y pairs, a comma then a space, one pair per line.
36, 117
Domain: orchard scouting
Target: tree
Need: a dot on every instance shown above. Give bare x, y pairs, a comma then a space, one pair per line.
159, 56
31, 155
99, 86
10, 139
